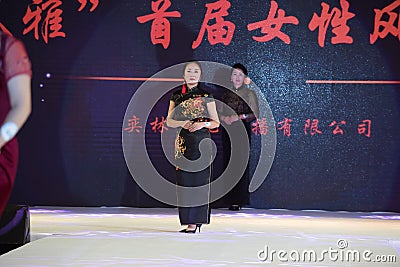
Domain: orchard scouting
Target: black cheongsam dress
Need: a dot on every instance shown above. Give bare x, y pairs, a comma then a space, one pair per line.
192, 105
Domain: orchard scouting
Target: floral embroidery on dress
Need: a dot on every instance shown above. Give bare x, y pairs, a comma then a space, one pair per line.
180, 148
193, 107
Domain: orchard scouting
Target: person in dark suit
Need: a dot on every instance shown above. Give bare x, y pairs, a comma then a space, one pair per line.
243, 101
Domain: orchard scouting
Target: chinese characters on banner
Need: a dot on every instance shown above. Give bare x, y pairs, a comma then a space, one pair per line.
386, 26
311, 127
160, 27
220, 30
271, 27
4, 29
337, 18
260, 127
45, 15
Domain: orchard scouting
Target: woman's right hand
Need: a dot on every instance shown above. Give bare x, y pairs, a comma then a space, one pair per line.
234, 118
186, 124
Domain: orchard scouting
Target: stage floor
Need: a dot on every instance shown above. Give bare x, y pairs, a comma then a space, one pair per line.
65, 236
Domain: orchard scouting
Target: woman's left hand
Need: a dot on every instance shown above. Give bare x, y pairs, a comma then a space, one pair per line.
195, 126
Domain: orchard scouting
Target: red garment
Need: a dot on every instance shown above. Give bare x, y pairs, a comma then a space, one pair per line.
13, 61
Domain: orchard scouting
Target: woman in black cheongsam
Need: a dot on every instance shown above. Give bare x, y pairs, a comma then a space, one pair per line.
192, 110
243, 101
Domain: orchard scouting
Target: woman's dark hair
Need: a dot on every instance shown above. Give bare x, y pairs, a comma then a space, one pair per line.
240, 67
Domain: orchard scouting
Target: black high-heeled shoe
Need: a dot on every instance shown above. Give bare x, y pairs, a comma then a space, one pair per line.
191, 231
235, 207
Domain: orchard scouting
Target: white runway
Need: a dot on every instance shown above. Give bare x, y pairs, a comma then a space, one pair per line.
65, 236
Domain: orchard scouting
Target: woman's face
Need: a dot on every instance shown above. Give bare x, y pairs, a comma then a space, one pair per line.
192, 74
237, 77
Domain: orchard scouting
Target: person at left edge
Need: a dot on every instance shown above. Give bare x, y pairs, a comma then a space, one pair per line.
192, 110
15, 108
